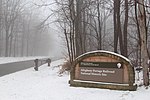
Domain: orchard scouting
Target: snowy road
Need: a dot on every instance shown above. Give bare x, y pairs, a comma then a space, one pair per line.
8, 68
13, 64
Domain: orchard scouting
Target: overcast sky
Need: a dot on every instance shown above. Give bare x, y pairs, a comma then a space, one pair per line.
57, 45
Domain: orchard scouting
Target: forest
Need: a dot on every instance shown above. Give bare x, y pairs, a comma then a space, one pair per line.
111, 25
121, 26
21, 31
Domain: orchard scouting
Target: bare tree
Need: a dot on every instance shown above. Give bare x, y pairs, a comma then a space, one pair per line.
143, 42
1, 36
117, 27
18, 28
10, 15
83, 24
125, 31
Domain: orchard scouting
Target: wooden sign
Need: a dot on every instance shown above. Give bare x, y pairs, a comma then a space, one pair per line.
103, 69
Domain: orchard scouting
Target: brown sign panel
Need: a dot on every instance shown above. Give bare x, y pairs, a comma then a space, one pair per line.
111, 72
103, 69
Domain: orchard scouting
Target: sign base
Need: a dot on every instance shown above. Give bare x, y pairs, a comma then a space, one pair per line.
102, 86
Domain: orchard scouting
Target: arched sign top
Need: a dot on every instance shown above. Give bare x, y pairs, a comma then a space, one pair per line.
103, 69
103, 53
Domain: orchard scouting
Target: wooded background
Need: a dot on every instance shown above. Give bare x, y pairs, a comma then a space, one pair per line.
121, 26
112, 25
21, 29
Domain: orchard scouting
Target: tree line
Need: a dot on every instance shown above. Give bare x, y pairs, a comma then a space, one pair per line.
121, 26
21, 32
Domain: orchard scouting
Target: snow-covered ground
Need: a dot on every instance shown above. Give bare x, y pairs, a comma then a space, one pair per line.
46, 84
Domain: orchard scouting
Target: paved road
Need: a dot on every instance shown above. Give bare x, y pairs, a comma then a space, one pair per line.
15, 66
21, 65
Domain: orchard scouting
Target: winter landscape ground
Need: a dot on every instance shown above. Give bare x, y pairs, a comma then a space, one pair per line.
47, 84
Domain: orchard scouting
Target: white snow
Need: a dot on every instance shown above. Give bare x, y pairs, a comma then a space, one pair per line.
103, 51
46, 84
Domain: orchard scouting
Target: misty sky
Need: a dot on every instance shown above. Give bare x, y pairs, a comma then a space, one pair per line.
56, 47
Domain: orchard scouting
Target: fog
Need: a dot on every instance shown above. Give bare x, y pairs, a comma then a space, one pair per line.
55, 48
27, 28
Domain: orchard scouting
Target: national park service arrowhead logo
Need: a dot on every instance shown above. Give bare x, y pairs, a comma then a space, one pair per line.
119, 65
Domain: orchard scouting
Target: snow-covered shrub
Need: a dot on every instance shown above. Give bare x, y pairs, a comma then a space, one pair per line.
66, 66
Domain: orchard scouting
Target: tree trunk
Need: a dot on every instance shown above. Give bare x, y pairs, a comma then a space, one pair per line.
138, 31
10, 46
143, 37
1, 39
68, 47
15, 45
121, 45
99, 27
125, 31
115, 27
78, 28
6, 43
